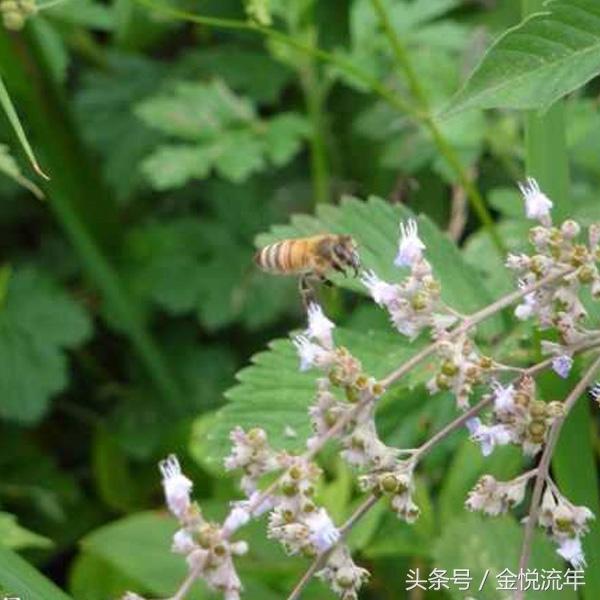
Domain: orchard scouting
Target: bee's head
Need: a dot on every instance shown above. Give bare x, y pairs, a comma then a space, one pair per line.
346, 252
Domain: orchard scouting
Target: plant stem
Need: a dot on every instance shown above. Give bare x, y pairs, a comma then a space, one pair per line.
445, 148
313, 94
321, 560
544, 467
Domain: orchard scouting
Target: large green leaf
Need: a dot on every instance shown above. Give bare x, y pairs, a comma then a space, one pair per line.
139, 547
273, 394
38, 321
19, 578
532, 65
488, 546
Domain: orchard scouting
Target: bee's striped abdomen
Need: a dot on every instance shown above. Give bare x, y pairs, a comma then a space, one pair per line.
286, 257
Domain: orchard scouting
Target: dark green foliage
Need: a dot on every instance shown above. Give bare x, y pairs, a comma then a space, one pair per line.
129, 298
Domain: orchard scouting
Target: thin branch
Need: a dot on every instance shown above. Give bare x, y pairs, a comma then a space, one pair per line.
321, 560
452, 427
470, 322
544, 467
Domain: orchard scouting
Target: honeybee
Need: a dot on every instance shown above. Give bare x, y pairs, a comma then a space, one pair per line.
311, 258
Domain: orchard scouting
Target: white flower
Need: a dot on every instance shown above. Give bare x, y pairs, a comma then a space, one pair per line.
570, 549
537, 204
183, 542
382, 292
410, 250
319, 326
237, 518
488, 436
310, 354
562, 365
526, 309
323, 533
595, 391
176, 485
504, 398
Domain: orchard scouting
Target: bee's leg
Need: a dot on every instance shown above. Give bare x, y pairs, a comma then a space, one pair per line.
307, 293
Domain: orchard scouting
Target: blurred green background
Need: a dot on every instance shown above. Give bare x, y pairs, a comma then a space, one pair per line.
128, 297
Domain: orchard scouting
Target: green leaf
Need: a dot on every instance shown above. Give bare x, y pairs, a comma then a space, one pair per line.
189, 264
139, 548
85, 13
488, 546
37, 323
575, 470
92, 578
104, 111
534, 64
114, 479
13, 119
19, 578
222, 131
273, 394
467, 466
13, 536
253, 73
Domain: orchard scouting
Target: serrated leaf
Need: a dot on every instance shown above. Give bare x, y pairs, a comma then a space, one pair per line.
222, 131
104, 109
196, 110
488, 546
273, 394
534, 64
172, 165
38, 321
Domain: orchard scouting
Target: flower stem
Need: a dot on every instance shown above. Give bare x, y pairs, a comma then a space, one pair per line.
544, 467
321, 560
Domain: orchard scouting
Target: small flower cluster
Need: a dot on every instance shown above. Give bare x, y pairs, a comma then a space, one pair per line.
462, 367
565, 523
209, 552
414, 304
342, 575
361, 444
15, 13
517, 418
494, 497
557, 252
296, 521
398, 485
